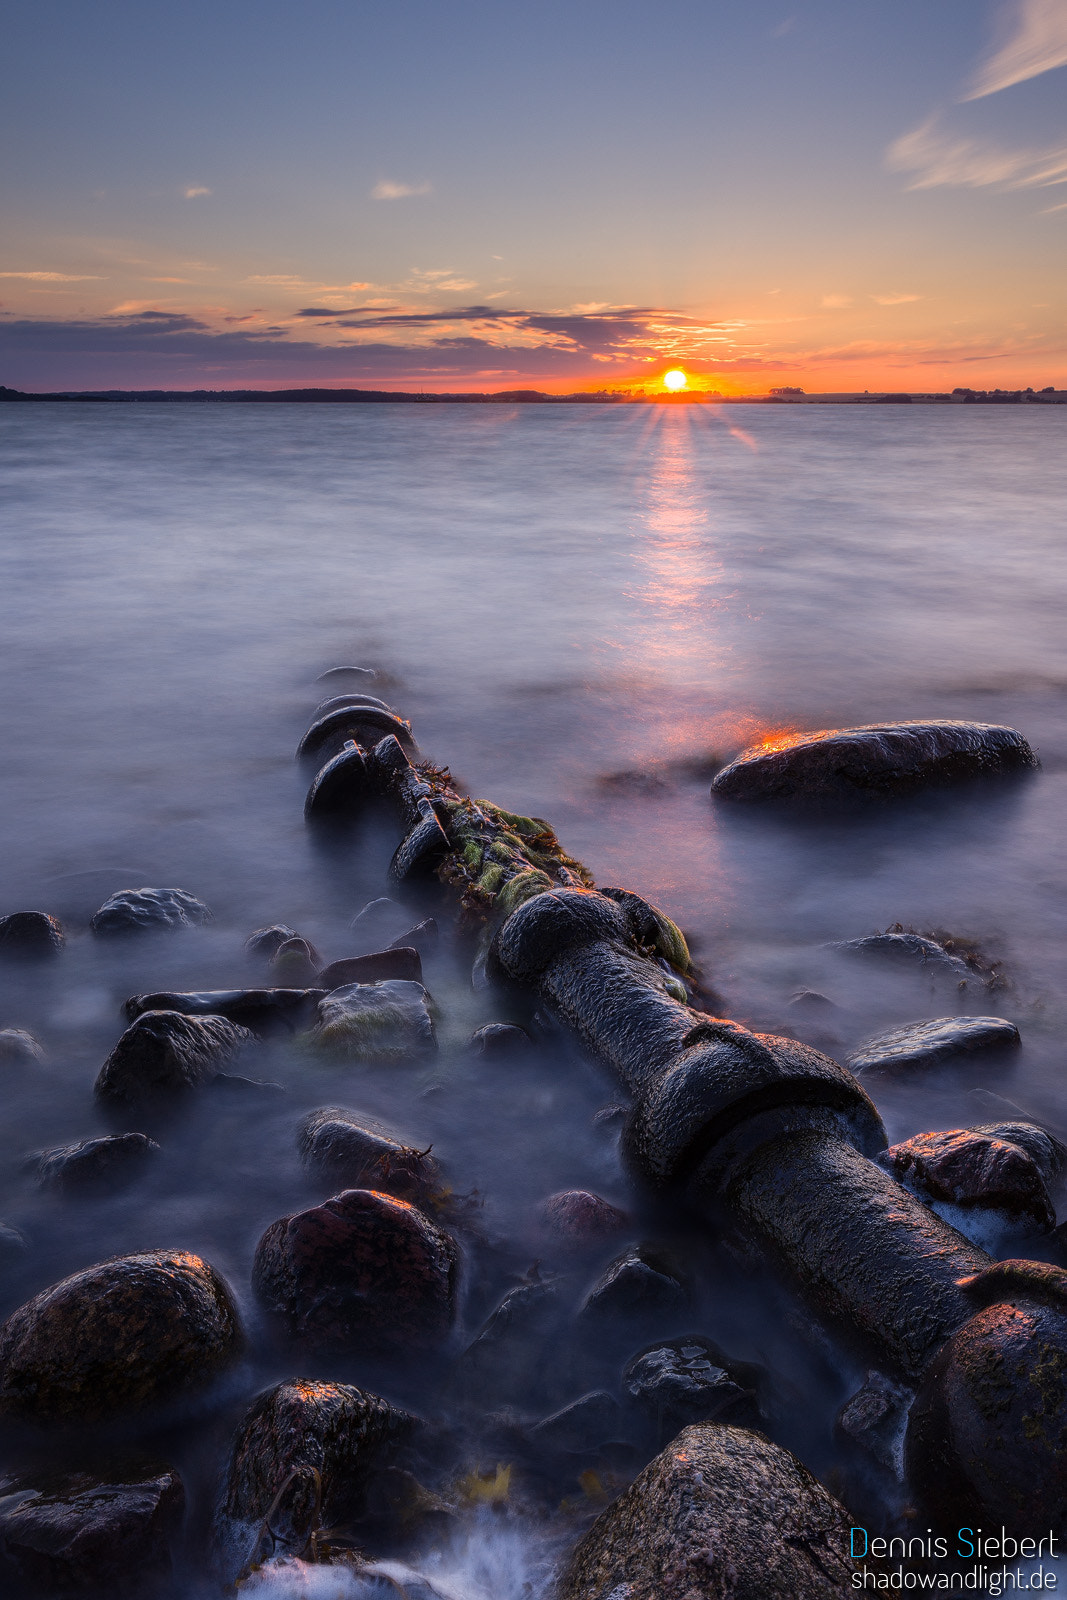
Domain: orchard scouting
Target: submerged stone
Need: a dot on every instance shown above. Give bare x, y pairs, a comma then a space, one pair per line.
363, 1272
927, 1044
724, 1513
105, 1164
1045, 1150
637, 1285
108, 1531
388, 1021
267, 941
363, 724
689, 1380
579, 1219
500, 1041
295, 964
346, 1148
165, 1053
139, 910
401, 962
31, 934
912, 949
972, 1169
875, 1419
884, 757
582, 1427
117, 1338
262, 1011
17, 1047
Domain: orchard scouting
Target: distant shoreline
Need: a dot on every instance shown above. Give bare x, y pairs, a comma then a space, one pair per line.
526, 397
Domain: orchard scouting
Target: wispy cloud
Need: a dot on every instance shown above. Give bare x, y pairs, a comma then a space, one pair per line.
836, 302
57, 277
386, 189
194, 191
936, 157
894, 299
1036, 44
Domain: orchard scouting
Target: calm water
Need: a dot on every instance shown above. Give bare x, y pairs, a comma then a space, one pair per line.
583, 612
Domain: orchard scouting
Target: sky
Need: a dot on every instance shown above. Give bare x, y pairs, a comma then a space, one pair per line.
835, 195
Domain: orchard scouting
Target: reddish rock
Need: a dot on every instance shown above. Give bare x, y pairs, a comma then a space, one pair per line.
969, 1168
578, 1218
362, 1272
347, 1149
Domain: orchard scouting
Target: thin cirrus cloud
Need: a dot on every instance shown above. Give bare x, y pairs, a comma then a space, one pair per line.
1037, 44
57, 277
193, 191
894, 299
386, 189
935, 157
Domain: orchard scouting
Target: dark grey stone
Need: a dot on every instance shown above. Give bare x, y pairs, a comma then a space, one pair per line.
138, 910
28, 935
266, 942
927, 1044
581, 1427
106, 1163
636, 1286
164, 1052
262, 1011
911, 949
682, 1381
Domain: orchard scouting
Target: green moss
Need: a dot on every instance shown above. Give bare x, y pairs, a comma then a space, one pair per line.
522, 888
671, 943
491, 879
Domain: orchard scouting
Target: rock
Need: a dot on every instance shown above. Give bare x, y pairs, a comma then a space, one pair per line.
165, 1053
262, 1011
106, 1163
384, 1022
422, 937
30, 934
1048, 1152
363, 1272
928, 1044
910, 949
345, 1148
970, 1169
379, 921
581, 1219
12, 1245
510, 1359
885, 757
289, 1434
136, 910
875, 1419
809, 1002
721, 1513
500, 1041
582, 1427
266, 942
639, 1284
689, 1380
396, 962
340, 788
107, 1531
19, 1048
116, 1338
295, 964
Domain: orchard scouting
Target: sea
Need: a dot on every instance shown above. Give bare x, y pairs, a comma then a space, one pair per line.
584, 611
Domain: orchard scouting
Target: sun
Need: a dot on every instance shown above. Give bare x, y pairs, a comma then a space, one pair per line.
675, 380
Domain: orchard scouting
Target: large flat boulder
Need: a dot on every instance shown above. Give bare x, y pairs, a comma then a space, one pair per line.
928, 1044
883, 757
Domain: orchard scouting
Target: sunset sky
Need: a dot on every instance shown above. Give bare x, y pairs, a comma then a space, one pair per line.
834, 194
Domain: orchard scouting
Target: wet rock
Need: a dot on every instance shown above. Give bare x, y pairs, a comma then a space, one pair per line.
30, 935
882, 758
875, 1420
639, 1284
378, 922
810, 1003
907, 949
107, 1531
290, 1434
722, 1512
396, 962
18, 1048
12, 1245
683, 1381
261, 1011
384, 1022
423, 937
101, 1164
266, 942
509, 1360
340, 788
500, 1041
580, 1219
165, 1053
346, 1149
363, 1272
928, 1044
971, 1169
116, 1338
582, 1427
138, 910
610, 1116
1047, 1152
295, 964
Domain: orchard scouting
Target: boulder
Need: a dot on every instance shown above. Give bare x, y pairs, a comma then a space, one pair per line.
882, 758
165, 1053
262, 1011
108, 1531
515, 1355
423, 937
12, 1245
30, 934
138, 910
928, 1044
721, 1513
971, 1169
388, 1021
1048, 1152
344, 1148
580, 1219
500, 1041
291, 1433
581, 1428
363, 1272
102, 1164
266, 942
875, 1420
295, 964
378, 922
638, 1285
401, 962
19, 1048
116, 1338
907, 949
682, 1381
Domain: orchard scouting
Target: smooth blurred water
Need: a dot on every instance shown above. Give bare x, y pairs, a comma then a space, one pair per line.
584, 611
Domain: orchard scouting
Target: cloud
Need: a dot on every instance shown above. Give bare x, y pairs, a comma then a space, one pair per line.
386, 189
57, 277
894, 299
835, 302
194, 191
938, 158
1037, 44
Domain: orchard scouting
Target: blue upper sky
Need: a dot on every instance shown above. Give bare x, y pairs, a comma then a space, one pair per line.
838, 193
